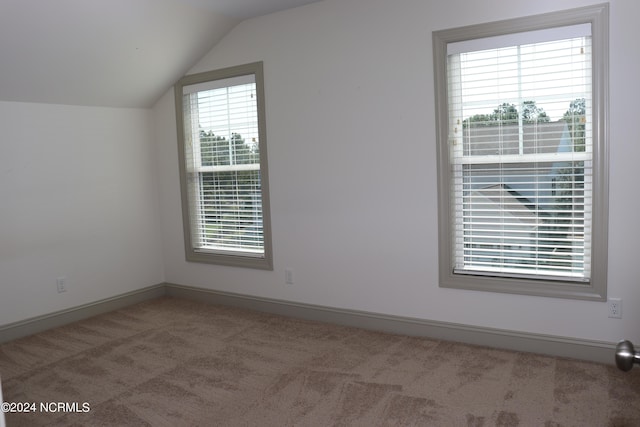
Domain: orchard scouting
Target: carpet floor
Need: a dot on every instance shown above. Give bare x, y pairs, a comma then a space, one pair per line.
175, 362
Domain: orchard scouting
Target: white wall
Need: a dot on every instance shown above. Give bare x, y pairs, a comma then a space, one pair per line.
351, 146
78, 198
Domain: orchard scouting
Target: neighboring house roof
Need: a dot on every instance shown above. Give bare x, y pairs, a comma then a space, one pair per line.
481, 139
540, 138
498, 201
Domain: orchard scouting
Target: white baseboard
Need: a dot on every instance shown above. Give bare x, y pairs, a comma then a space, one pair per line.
588, 350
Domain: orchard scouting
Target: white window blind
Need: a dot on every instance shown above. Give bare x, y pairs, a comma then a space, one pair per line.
222, 156
520, 151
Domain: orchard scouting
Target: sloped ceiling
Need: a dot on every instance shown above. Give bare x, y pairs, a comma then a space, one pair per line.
113, 53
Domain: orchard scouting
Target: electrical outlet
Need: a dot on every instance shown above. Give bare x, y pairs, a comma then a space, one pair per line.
288, 276
615, 308
61, 283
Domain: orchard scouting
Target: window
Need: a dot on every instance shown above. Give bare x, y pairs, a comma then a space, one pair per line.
522, 154
223, 167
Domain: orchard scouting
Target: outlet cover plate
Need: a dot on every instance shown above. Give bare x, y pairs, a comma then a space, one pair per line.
615, 308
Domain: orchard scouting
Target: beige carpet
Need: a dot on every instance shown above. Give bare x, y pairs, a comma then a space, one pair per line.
173, 362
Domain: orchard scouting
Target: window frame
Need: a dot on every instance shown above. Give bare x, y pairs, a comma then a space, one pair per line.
596, 288
230, 258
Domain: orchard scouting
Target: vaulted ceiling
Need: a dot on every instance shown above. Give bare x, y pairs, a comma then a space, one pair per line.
114, 53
